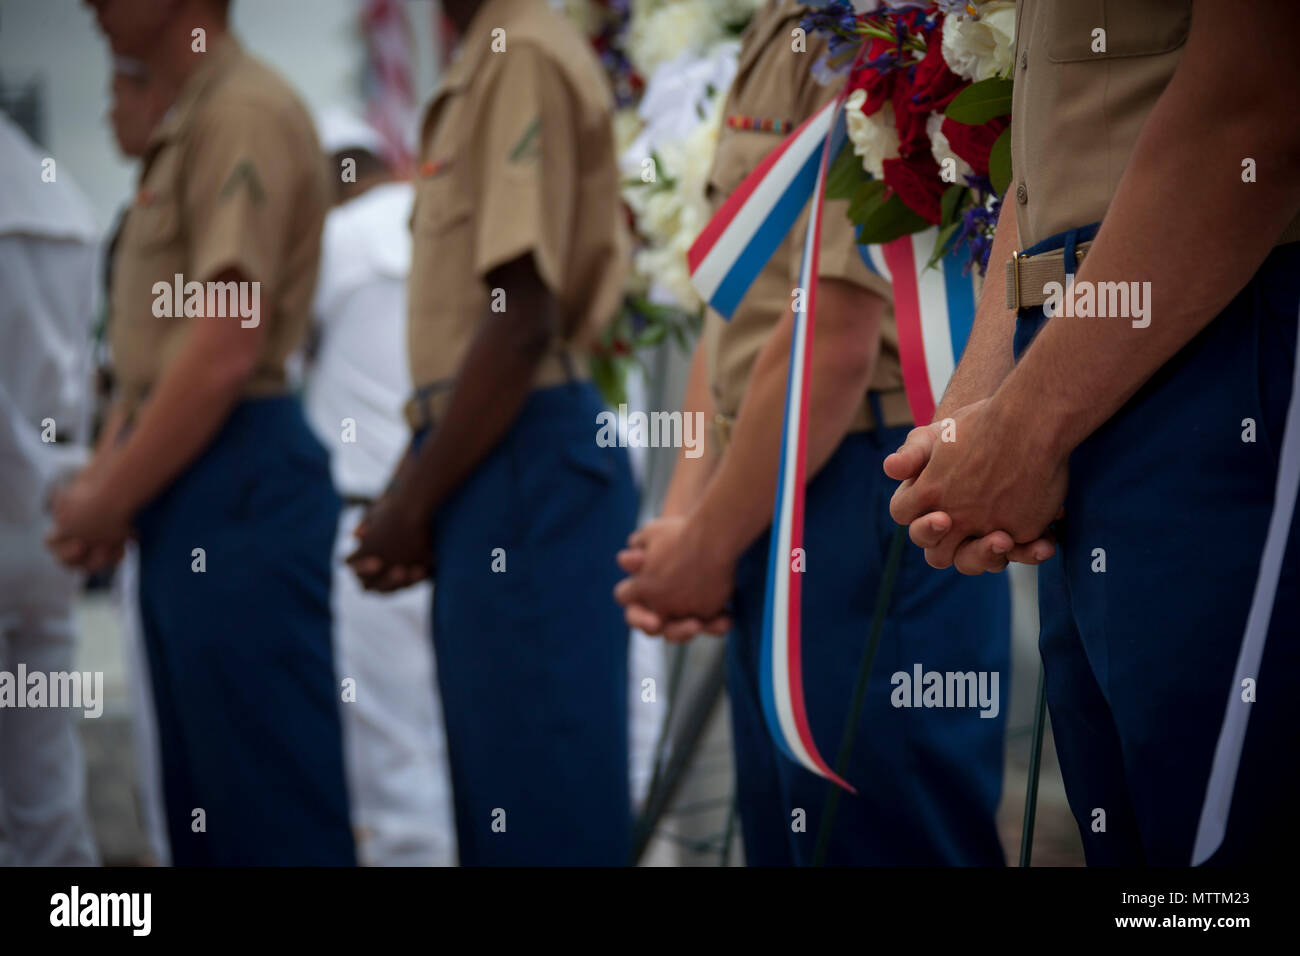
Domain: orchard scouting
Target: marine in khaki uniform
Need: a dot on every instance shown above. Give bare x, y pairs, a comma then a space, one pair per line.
944, 766
518, 259
209, 459
1156, 160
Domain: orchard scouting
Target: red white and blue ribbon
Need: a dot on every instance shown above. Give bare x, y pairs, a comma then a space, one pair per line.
724, 261
933, 310
755, 219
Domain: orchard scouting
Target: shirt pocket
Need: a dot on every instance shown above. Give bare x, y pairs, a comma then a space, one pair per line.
738, 153
156, 224
442, 204
442, 248
1132, 28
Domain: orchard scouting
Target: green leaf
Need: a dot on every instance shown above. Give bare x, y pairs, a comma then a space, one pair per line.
951, 202
845, 174
887, 220
608, 376
652, 312
1000, 162
679, 336
941, 244
981, 102
653, 335
864, 198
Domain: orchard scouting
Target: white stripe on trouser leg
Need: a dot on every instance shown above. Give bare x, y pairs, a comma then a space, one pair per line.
1232, 735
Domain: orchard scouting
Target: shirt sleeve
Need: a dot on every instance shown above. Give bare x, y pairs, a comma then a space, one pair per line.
240, 196
527, 167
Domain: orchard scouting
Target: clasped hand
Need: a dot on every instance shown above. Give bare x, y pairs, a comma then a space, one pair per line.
975, 494
680, 582
90, 530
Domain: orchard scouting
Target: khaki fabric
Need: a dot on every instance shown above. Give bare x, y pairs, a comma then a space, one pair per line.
773, 82
1076, 113
232, 179
517, 157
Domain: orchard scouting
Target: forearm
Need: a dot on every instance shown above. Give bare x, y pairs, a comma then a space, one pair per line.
110, 434
691, 475
1196, 247
186, 408
183, 414
737, 505
492, 384
987, 358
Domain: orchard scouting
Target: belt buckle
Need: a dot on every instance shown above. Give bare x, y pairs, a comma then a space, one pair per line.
1015, 274
723, 425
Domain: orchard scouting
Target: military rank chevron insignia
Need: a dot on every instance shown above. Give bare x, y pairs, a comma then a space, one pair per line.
529, 146
243, 174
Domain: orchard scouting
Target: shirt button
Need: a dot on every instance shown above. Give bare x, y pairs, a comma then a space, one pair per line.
1022, 194
1024, 60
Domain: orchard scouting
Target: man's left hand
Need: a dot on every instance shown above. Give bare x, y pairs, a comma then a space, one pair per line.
393, 546
90, 529
678, 574
992, 477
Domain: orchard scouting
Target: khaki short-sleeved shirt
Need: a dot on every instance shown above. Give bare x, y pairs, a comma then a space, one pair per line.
775, 83
517, 157
232, 179
1077, 110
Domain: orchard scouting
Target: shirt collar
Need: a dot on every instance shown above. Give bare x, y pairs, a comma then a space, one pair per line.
477, 41
764, 27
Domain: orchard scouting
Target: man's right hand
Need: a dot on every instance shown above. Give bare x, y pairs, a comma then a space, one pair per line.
991, 553
393, 545
674, 631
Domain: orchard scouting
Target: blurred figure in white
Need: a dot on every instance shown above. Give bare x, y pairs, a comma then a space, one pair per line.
47, 301
357, 381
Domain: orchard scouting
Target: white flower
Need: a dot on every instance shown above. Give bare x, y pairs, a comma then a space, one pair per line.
662, 209
696, 162
874, 137
941, 150
681, 114
677, 95
983, 47
662, 33
669, 277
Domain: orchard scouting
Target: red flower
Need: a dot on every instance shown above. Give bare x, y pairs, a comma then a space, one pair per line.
879, 86
973, 143
909, 121
916, 180
931, 88
934, 85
